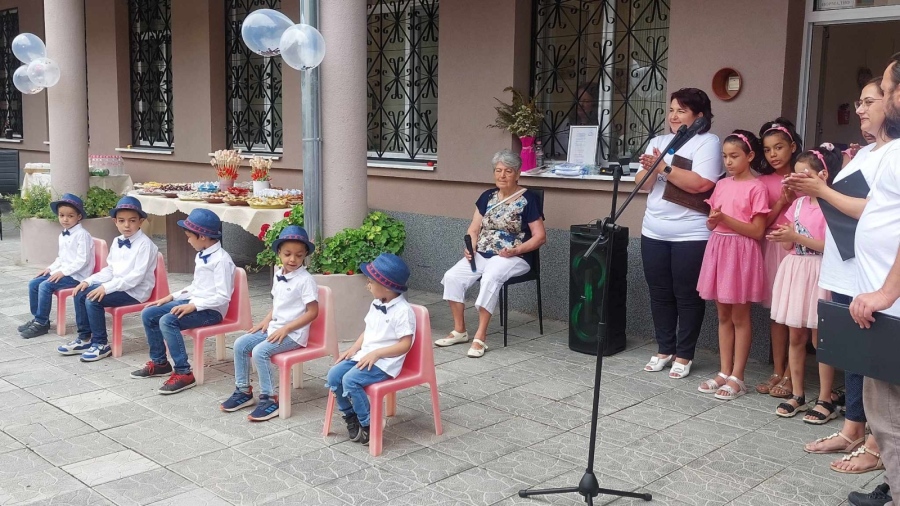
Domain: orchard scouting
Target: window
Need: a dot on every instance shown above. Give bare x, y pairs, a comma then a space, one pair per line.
402, 63
150, 23
601, 62
253, 86
10, 97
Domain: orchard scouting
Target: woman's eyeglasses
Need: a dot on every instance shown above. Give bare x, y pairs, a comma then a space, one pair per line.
865, 104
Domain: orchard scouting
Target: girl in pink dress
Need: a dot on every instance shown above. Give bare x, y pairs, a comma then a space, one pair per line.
781, 145
796, 292
732, 272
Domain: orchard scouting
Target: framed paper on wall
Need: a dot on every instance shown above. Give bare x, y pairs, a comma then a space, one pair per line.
583, 144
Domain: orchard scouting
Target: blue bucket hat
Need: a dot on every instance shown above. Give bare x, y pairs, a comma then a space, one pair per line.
294, 233
387, 270
68, 199
128, 203
203, 222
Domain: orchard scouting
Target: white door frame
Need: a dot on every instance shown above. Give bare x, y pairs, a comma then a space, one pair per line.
831, 17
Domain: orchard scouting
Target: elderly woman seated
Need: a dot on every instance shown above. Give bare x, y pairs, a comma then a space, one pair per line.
507, 225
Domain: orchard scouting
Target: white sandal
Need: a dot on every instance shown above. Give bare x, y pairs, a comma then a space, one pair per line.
657, 364
458, 337
475, 353
730, 392
680, 370
710, 386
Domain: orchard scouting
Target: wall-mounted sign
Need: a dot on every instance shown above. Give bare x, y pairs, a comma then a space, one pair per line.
835, 4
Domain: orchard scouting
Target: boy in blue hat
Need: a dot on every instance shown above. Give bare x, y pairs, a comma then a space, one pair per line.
204, 302
294, 306
379, 352
75, 262
127, 279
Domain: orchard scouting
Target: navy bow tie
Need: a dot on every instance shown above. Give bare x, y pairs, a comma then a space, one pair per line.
125, 242
66, 232
381, 308
204, 258
281, 278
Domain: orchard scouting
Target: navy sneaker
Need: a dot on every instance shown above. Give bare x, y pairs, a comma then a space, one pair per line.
35, 330
238, 400
363, 436
265, 410
25, 325
352, 427
95, 353
177, 382
152, 369
76, 347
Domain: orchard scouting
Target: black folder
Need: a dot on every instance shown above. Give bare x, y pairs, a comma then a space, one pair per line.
870, 352
843, 227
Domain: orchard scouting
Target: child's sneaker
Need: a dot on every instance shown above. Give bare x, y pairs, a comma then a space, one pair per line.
352, 427
76, 347
25, 325
364, 435
177, 382
95, 353
34, 330
238, 400
265, 410
152, 369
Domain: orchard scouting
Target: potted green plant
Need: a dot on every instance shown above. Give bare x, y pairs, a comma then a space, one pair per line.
336, 262
521, 118
39, 226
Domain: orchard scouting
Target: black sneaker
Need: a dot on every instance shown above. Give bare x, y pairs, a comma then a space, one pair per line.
878, 497
364, 435
25, 325
34, 329
352, 427
177, 382
152, 369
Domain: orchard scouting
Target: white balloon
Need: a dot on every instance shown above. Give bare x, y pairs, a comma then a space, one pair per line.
23, 83
262, 30
302, 47
27, 47
43, 72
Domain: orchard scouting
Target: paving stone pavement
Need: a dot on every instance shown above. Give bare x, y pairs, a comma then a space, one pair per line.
87, 434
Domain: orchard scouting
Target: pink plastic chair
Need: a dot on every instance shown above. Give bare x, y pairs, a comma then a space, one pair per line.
101, 251
160, 289
237, 318
322, 343
418, 369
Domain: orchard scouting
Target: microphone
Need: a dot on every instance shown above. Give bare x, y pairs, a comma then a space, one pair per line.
468, 239
698, 124
689, 133
677, 140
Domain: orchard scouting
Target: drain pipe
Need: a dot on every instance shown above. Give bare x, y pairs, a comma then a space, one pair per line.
311, 128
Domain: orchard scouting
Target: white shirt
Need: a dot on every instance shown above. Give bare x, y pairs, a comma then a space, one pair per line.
665, 221
213, 281
130, 270
386, 329
76, 254
878, 232
839, 275
289, 300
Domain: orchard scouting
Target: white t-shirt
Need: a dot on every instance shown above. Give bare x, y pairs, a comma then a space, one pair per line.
878, 232
665, 221
838, 275
385, 328
290, 295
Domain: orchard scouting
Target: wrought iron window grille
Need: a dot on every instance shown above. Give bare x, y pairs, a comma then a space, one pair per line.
254, 86
601, 62
150, 30
10, 97
402, 80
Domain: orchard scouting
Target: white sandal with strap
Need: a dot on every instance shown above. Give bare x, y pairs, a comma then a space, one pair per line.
879, 464
710, 386
476, 353
458, 337
680, 370
657, 363
851, 445
730, 392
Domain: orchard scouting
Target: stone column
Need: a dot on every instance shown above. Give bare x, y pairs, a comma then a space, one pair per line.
344, 179
67, 101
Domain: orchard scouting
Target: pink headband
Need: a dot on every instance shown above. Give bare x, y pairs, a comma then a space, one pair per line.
776, 126
819, 156
744, 138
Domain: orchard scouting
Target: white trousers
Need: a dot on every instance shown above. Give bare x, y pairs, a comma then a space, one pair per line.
493, 272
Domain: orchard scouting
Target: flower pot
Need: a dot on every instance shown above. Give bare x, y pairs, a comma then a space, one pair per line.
225, 184
351, 303
259, 186
529, 157
8, 133
38, 246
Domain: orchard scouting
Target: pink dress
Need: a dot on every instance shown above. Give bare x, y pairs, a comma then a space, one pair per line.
772, 252
796, 293
732, 271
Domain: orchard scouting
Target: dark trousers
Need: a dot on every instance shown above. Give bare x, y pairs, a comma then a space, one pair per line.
672, 270
853, 383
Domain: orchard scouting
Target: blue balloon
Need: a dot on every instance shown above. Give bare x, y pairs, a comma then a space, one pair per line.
262, 30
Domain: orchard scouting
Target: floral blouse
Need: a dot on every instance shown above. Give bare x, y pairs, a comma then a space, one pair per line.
505, 225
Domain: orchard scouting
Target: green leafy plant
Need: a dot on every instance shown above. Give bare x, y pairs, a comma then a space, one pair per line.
268, 234
521, 118
36, 203
99, 201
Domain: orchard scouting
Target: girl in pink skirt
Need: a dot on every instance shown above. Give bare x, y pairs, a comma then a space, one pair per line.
796, 292
732, 272
781, 145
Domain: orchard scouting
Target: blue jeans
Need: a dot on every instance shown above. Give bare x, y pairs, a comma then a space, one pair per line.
262, 352
853, 383
347, 383
164, 329
40, 296
90, 317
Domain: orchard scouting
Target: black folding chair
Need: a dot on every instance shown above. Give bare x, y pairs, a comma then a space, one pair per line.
533, 274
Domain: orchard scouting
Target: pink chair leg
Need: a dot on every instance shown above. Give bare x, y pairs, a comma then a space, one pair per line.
198, 360
376, 426
284, 392
436, 410
60, 315
117, 336
391, 399
220, 347
298, 375
329, 412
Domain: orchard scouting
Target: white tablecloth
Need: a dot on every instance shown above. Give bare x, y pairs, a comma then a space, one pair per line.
38, 176
245, 217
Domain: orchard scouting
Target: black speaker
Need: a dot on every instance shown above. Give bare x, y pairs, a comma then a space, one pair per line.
586, 279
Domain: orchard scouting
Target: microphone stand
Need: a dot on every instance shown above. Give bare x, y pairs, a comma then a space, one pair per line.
589, 487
